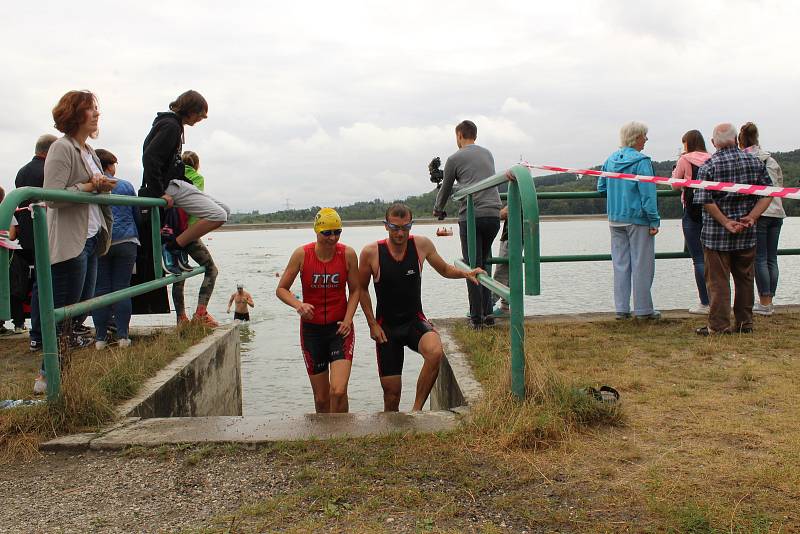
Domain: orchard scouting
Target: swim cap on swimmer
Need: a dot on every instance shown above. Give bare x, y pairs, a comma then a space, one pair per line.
327, 219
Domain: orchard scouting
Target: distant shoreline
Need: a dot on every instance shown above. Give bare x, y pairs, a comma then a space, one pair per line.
450, 221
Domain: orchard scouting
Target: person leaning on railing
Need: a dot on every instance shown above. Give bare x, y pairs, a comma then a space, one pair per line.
78, 233
114, 270
633, 221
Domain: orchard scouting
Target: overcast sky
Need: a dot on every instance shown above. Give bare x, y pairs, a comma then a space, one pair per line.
327, 103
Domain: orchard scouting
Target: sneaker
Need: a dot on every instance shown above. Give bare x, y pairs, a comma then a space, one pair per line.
182, 260
77, 342
475, 326
40, 385
699, 309
81, 330
501, 311
763, 309
168, 261
100, 345
20, 329
655, 316
35, 346
488, 320
124, 343
206, 320
621, 316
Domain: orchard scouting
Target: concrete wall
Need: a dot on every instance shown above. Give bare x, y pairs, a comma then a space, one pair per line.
456, 386
204, 381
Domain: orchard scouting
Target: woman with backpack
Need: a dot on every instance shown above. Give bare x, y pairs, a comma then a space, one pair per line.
694, 154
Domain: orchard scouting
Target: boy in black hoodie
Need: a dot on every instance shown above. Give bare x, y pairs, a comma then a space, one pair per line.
164, 177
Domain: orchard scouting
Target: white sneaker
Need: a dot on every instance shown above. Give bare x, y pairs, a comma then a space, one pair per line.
40, 385
124, 343
762, 309
100, 345
699, 309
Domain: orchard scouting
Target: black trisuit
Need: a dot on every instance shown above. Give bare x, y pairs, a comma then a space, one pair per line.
398, 289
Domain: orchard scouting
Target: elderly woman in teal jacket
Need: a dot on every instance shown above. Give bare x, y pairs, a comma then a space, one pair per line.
634, 221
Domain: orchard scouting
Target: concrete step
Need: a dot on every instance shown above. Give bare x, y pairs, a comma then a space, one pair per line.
253, 430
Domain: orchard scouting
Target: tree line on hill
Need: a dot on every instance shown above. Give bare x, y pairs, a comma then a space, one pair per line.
422, 205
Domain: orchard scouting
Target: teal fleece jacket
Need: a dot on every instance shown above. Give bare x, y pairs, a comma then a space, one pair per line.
628, 201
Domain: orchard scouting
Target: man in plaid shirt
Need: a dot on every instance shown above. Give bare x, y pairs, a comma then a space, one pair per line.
728, 235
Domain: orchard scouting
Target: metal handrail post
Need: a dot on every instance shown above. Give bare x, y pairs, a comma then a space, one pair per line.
529, 202
516, 301
155, 238
471, 234
44, 279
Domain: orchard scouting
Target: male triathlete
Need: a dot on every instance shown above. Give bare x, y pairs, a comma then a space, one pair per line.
395, 264
326, 312
242, 299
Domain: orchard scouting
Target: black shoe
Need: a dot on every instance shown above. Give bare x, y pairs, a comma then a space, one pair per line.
475, 326
182, 260
705, 332
81, 330
35, 346
621, 316
488, 320
745, 330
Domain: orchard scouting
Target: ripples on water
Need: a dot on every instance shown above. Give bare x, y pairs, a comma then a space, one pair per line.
273, 373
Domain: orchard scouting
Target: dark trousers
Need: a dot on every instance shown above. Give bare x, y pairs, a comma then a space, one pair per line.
480, 298
114, 273
691, 234
69, 279
720, 266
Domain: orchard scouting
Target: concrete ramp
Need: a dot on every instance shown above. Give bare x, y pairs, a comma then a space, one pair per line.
253, 430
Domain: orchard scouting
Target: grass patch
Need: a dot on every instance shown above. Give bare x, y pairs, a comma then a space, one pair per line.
92, 385
556, 404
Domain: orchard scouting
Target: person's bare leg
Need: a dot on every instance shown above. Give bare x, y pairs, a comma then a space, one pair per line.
392, 386
321, 388
196, 231
430, 346
339, 377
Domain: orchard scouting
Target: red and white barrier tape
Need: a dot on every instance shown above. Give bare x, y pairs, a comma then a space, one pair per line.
744, 189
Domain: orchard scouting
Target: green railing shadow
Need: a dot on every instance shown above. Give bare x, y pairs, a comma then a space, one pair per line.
48, 315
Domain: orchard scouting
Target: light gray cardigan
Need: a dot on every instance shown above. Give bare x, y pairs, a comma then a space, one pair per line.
68, 222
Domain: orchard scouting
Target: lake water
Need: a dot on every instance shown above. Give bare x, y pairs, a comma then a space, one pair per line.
273, 373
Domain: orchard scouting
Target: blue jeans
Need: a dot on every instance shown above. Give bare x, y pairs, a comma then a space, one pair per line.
480, 298
691, 235
633, 256
768, 231
114, 273
69, 279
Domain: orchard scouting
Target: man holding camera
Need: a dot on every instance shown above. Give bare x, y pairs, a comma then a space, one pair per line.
468, 166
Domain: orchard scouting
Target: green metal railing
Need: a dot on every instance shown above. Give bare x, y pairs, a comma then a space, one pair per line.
48, 315
524, 254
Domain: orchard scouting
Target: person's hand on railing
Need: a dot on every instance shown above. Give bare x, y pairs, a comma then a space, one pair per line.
168, 198
105, 184
510, 175
472, 275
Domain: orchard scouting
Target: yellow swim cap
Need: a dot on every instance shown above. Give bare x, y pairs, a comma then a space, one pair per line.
327, 219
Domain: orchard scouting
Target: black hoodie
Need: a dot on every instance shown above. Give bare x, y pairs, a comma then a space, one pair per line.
161, 155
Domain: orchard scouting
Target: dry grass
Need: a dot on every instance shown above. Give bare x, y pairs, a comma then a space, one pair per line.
710, 441
92, 385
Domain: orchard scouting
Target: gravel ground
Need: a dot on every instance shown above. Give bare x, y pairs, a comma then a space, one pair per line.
107, 492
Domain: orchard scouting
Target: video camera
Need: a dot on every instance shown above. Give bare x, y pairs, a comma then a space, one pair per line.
437, 176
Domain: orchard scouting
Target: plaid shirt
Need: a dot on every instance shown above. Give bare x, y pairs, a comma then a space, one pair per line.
730, 165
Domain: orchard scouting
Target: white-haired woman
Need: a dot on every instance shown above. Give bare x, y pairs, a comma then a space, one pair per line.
634, 221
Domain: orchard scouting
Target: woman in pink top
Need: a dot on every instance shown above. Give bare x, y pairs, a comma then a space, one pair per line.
693, 156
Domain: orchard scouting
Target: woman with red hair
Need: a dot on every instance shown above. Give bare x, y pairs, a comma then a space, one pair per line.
78, 233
